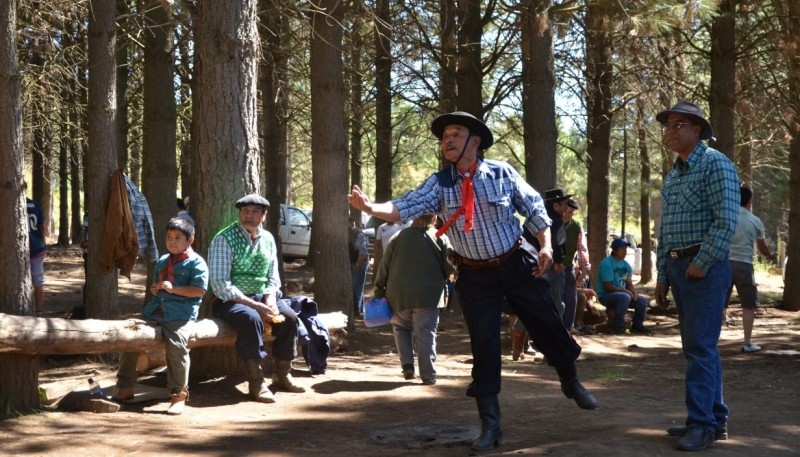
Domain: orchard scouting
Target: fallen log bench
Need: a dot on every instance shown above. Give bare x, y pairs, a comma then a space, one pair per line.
59, 336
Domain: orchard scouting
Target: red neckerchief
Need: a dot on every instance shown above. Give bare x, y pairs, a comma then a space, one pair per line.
168, 273
467, 207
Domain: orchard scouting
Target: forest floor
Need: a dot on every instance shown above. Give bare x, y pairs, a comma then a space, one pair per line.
362, 406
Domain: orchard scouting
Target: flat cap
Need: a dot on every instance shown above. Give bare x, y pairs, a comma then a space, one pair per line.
252, 199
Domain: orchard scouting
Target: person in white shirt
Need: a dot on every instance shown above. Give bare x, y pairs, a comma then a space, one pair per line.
749, 232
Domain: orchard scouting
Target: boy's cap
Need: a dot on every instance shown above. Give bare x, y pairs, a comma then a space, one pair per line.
252, 199
619, 243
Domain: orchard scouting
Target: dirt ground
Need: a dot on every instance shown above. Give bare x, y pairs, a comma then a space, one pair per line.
363, 407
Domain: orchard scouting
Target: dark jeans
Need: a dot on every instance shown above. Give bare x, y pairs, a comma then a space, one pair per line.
700, 303
481, 293
250, 330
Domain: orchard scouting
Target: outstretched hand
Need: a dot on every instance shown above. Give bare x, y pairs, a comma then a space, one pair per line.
358, 199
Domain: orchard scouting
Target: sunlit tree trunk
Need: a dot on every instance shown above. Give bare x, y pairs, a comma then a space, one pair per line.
225, 134
19, 373
101, 285
332, 288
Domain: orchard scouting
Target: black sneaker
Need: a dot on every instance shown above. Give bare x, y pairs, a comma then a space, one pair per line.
642, 330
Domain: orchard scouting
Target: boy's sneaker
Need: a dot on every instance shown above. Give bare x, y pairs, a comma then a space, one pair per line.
750, 347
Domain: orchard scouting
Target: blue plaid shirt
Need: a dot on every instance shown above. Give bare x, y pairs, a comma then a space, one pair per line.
142, 220
701, 205
499, 192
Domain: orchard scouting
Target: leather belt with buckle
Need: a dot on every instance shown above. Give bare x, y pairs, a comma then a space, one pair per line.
491, 263
686, 251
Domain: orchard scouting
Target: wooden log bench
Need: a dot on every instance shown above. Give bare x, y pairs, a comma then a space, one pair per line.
51, 336
59, 336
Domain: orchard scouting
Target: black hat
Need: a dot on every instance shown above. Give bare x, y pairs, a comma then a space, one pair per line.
691, 111
555, 195
253, 199
469, 121
572, 204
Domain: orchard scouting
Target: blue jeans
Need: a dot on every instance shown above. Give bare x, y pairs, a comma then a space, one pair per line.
359, 277
700, 304
620, 302
421, 323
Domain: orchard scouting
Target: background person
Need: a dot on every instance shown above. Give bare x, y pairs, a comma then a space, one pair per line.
359, 263
38, 250
616, 292
412, 277
182, 281
749, 232
243, 260
701, 207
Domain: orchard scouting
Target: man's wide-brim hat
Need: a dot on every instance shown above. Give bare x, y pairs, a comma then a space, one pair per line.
475, 125
693, 112
555, 195
252, 199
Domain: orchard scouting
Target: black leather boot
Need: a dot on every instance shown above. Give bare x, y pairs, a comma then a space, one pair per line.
572, 387
491, 430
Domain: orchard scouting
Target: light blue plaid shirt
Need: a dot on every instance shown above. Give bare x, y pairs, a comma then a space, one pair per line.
499, 192
701, 205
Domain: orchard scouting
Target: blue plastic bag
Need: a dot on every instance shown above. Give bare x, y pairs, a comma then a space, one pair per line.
377, 312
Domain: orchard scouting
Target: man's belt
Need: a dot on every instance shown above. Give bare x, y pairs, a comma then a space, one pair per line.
686, 251
491, 263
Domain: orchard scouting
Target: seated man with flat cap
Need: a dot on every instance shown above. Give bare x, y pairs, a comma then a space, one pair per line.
242, 260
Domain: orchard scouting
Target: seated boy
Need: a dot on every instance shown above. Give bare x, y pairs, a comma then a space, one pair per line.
182, 281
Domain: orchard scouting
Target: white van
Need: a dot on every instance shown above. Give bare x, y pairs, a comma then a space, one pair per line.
295, 232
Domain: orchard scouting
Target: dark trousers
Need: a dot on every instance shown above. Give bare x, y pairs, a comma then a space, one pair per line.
250, 330
481, 293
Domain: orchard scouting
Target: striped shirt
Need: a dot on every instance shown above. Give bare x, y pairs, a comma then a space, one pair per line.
499, 192
220, 263
701, 205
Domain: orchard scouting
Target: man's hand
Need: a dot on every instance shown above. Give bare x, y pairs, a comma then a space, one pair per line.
693, 272
358, 199
545, 262
661, 293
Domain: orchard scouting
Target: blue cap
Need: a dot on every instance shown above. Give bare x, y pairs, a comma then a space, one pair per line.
619, 243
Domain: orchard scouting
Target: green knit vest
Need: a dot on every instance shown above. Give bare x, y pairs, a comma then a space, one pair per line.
573, 229
251, 264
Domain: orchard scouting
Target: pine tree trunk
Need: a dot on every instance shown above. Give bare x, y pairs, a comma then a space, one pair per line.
101, 285
332, 287
538, 95
19, 374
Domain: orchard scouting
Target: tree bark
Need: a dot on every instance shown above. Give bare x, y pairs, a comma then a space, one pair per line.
599, 79
449, 64
469, 69
225, 132
160, 169
332, 289
18, 377
722, 106
644, 194
383, 101
274, 74
101, 285
538, 95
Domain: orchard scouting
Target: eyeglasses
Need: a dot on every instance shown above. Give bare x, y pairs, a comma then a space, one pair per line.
674, 125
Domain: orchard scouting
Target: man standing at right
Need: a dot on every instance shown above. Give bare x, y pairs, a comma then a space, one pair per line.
749, 231
700, 198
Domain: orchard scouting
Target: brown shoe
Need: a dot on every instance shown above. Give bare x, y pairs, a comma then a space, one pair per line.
518, 344
123, 394
177, 402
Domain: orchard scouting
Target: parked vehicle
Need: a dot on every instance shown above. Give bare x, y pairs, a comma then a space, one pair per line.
295, 232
